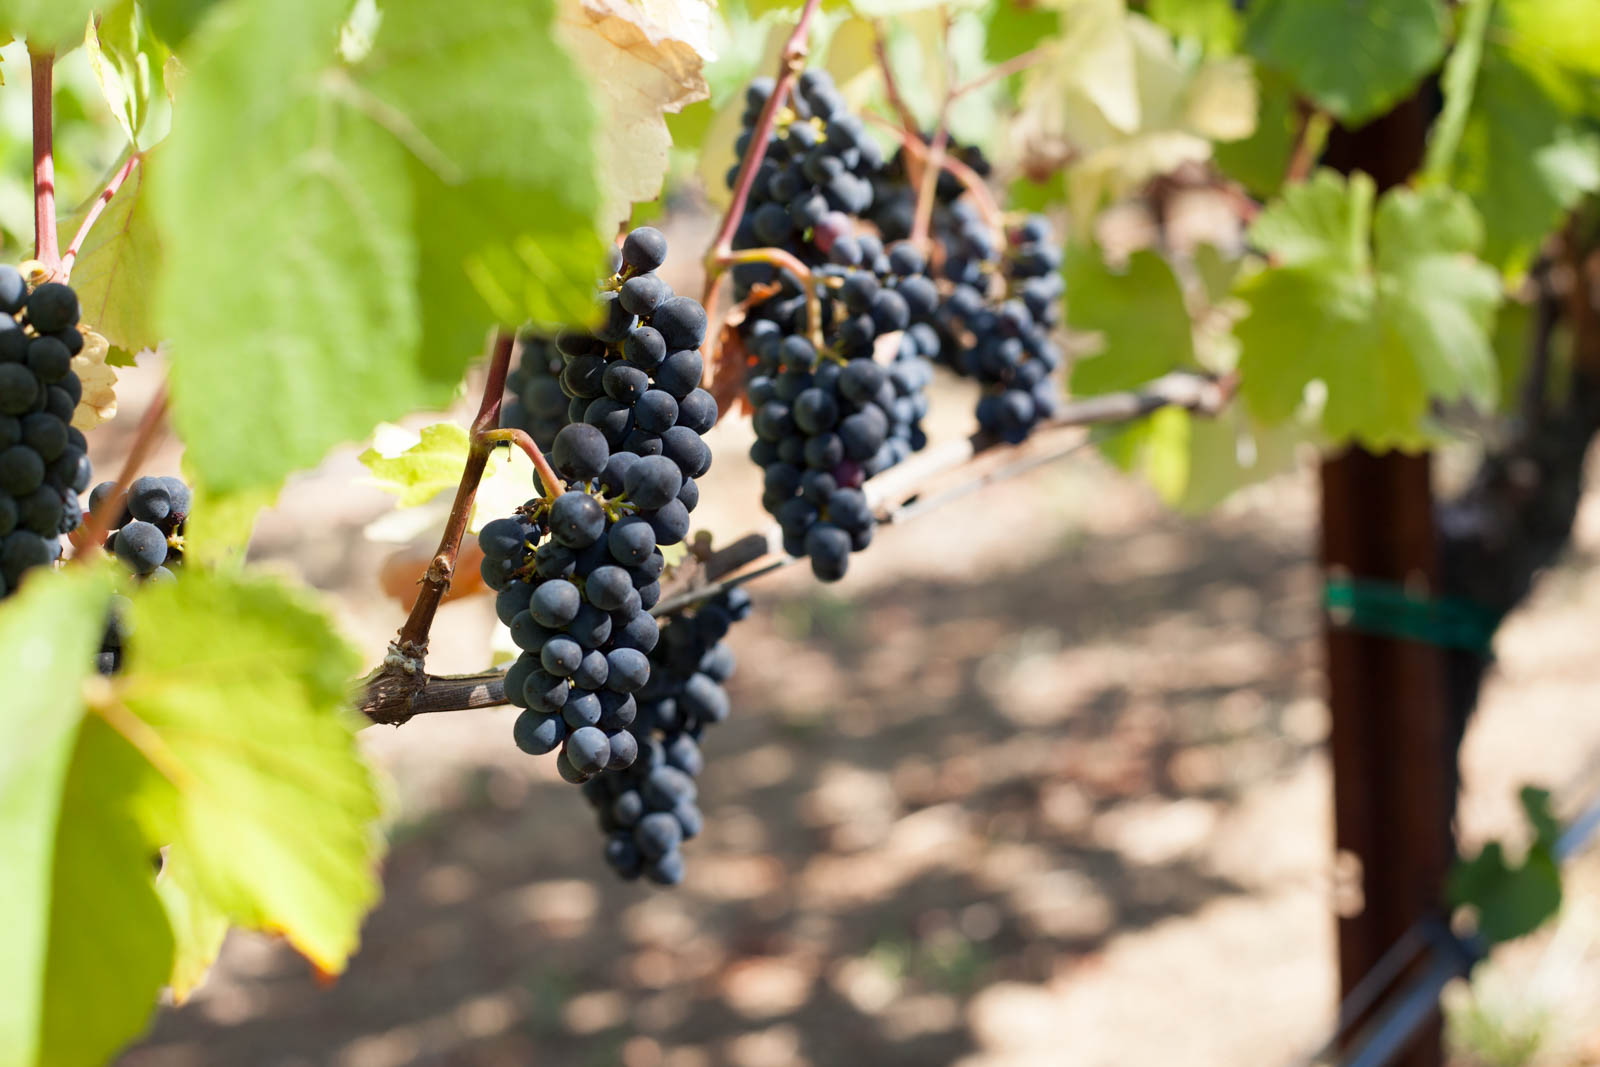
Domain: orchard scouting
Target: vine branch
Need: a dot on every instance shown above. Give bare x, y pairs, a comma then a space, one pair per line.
95, 209
411, 644
42, 68
717, 259
897, 495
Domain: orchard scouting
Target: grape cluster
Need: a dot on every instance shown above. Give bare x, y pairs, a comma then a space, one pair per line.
577, 574
997, 318
44, 460
816, 174
536, 403
649, 809
826, 421
147, 537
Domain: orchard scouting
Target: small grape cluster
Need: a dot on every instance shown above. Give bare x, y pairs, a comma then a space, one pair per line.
1005, 343
44, 459
577, 573
816, 174
147, 537
826, 421
648, 810
536, 403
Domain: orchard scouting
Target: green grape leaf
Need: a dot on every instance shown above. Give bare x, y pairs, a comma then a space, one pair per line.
1213, 23
175, 20
130, 65
47, 24
1139, 313
1563, 34
1380, 330
240, 702
371, 222
1435, 298
220, 523
1536, 806
1525, 158
1356, 60
198, 925
121, 357
419, 472
116, 269
1259, 162
1014, 28
1513, 900
79, 894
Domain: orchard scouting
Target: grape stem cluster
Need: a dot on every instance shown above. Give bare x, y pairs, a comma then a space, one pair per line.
897, 495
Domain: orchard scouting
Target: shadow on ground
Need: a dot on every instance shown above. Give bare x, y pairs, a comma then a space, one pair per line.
929, 789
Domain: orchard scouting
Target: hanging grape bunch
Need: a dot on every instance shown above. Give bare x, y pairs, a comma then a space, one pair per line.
576, 571
997, 320
817, 173
828, 419
647, 810
44, 461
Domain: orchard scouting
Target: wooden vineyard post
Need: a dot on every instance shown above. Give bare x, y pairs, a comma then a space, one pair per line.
1391, 742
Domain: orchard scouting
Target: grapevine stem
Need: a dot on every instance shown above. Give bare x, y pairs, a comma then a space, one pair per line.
1308, 139
777, 257
95, 210
891, 85
412, 641
927, 192
928, 189
1014, 65
86, 541
45, 249
898, 494
982, 196
548, 479
789, 66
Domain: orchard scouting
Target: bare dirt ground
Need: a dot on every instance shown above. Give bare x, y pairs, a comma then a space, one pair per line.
1041, 782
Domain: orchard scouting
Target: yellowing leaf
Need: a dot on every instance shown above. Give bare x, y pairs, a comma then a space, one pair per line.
641, 60
115, 271
1117, 105
422, 465
99, 401
198, 926
236, 691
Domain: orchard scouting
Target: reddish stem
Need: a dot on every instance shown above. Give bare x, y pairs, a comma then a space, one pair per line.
413, 637
982, 195
549, 480
1304, 155
45, 249
891, 86
793, 58
1014, 65
930, 185
86, 541
95, 210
